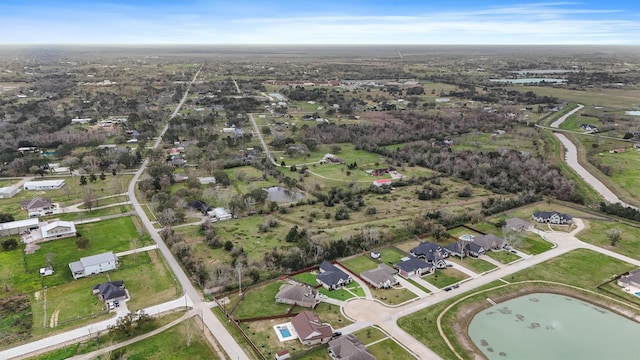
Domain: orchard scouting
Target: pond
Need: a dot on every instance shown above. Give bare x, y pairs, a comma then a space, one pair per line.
551, 326
530, 81
280, 194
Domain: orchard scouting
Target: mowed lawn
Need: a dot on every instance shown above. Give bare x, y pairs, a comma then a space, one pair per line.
115, 235
595, 233
260, 301
359, 264
445, 277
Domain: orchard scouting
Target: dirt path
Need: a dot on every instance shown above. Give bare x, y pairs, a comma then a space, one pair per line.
53, 322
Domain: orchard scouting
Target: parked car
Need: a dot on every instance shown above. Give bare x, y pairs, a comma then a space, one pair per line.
513, 251
111, 306
116, 303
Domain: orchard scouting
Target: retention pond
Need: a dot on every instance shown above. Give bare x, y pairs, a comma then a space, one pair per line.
551, 326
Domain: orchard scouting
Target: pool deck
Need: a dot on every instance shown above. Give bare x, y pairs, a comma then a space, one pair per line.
292, 331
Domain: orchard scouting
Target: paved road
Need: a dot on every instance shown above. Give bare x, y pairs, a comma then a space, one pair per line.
214, 325
264, 144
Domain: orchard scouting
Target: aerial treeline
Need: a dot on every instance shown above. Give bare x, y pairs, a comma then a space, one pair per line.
620, 210
407, 126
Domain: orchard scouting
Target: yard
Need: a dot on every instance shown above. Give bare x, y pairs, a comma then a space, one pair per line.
390, 349
359, 264
370, 335
474, 264
595, 233
260, 301
503, 256
393, 296
391, 256
444, 277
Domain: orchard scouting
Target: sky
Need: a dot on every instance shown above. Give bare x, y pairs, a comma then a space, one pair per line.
319, 22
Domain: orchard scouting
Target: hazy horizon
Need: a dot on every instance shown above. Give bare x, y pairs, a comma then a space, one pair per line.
290, 22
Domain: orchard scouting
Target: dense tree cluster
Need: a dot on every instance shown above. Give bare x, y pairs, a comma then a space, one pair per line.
620, 210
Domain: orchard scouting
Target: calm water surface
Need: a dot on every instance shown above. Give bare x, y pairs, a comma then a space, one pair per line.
550, 326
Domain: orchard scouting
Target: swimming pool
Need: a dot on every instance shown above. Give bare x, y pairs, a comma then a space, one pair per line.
284, 331
638, 294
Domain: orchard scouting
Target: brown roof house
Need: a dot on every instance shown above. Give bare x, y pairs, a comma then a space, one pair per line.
310, 330
300, 295
348, 347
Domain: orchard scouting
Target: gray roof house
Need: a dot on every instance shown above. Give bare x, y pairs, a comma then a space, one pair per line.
300, 295
425, 248
552, 217
36, 204
382, 277
348, 347
490, 242
110, 290
94, 264
331, 277
516, 224
413, 266
630, 279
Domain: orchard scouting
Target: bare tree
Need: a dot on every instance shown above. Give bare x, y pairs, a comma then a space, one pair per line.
614, 236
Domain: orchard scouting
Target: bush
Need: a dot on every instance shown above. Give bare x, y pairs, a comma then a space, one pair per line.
342, 213
10, 244
82, 243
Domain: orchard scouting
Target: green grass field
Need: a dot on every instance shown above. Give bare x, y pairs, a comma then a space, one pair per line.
473, 264
391, 256
595, 233
389, 349
370, 335
503, 256
359, 264
260, 301
393, 296
445, 277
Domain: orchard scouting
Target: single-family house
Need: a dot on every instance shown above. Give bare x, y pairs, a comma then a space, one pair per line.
331, 277
380, 172
7, 192
381, 182
588, 127
80, 121
518, 225
552, 217
37, 205
475, 250
310, 329
457, 249
110, 290
19, 226
331, 159
432, 253
43, 185
381, 278
94, 264
490, 242
198, 205
348, 347
58, 230
630, 279
207, 180
413, 266
219, 214
300, 295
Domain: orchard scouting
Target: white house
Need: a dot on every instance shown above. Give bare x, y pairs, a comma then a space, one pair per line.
552, 217
58, 230
18, 227
94, 264
219, 214
8, 192
81, 121
44, 185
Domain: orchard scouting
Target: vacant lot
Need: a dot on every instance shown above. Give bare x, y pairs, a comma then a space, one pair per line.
595, 232
359, 264
16, 319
